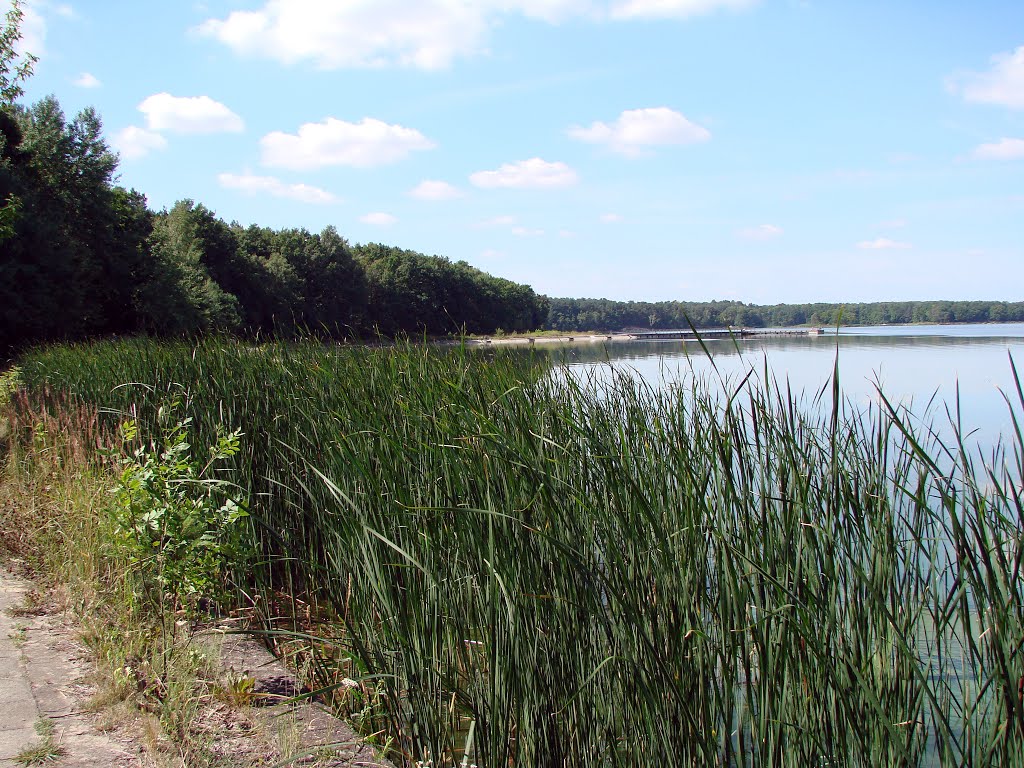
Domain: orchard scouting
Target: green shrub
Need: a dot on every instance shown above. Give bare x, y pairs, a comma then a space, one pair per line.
176, 519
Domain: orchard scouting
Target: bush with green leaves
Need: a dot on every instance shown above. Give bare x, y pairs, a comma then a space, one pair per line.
10, 380
177, 515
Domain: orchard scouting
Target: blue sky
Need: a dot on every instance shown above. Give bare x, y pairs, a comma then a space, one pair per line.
760, 150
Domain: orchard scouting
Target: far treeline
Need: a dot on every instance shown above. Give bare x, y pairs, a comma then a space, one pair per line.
606, 315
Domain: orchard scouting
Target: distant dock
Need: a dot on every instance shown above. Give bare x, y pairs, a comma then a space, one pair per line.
722, 333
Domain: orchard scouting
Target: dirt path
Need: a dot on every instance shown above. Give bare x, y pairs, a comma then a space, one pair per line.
46, 691
43, 674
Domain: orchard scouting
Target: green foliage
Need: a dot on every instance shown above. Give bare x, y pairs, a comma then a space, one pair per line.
182, 296
9, 213
10, 381
177, 518
607, 315
13, 72
73, 259
413, 293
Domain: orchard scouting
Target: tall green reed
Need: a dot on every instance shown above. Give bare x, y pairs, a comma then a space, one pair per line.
588, 569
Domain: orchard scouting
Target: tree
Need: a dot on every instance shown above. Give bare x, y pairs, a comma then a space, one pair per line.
12, 71
12, 74
182, 297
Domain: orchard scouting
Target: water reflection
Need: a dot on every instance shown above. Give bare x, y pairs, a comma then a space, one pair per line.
931, 370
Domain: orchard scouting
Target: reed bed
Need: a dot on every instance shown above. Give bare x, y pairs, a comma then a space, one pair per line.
533, 567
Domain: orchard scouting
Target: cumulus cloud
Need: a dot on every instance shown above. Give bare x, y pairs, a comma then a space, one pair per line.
526, 174
424, 34
365, 144
430, 189
189, 114
761, 232
674, 9
270, 185
134, 142
87, 80
611, 218
379, 219
882, 244
1003, 84
1004, 149
636, 130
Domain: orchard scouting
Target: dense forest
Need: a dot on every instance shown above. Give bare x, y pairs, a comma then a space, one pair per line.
81, 256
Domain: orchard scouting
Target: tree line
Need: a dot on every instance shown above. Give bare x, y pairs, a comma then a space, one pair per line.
606, 315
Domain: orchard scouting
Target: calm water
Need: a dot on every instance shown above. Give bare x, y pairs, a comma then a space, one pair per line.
913, 365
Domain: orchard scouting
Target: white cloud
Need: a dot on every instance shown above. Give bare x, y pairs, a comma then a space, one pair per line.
189, 114
134, 142
1003, 84
761, 232
1004, 149
34, 25
673, 9
33, 34
611, 218
490, 254
424, 34
526, 174
638, 129
270, 185
882, 244
526, 232
87, 80
365, 144
435, 190
379, 219
566, 233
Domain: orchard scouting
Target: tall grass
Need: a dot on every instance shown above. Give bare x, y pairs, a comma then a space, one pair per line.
543, 569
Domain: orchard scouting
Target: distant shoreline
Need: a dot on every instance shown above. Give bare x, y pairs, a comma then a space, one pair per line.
618, 336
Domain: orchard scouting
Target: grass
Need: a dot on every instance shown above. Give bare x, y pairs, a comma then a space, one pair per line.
46, 750
591, 571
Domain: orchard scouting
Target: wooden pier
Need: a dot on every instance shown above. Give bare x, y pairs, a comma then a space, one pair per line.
722, 333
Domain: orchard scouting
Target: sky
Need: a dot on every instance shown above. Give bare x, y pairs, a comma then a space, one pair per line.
755, 150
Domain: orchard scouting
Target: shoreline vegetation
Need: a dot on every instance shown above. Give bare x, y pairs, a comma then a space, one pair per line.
484, 561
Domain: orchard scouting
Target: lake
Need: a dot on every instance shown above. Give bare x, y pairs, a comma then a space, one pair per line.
921, 367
